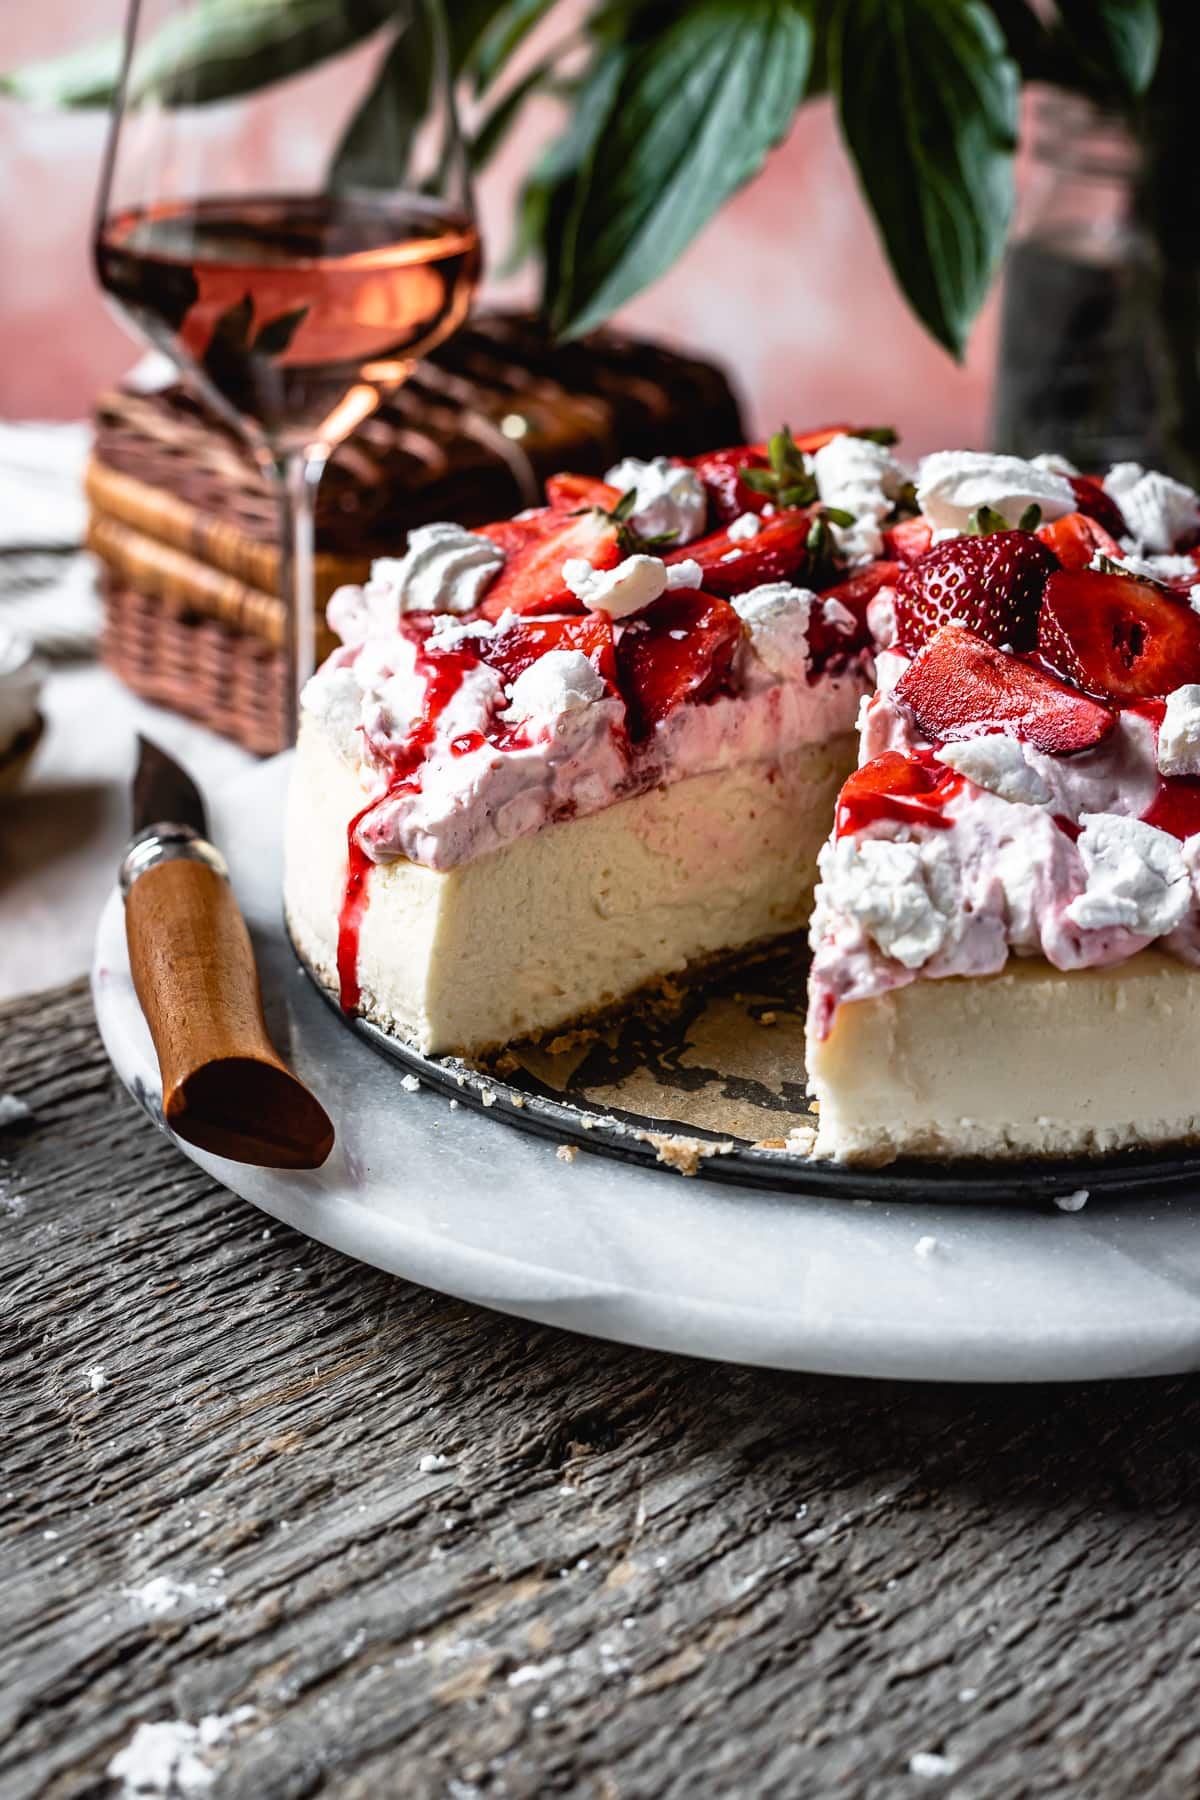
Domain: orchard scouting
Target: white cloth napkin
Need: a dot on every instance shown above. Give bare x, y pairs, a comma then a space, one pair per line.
47, 584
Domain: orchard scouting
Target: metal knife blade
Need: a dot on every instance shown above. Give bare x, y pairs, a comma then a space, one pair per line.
163, 793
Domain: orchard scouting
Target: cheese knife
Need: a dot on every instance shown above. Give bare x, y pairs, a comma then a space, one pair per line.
224, 1087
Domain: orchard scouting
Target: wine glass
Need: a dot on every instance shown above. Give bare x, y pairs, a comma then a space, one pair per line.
285, 209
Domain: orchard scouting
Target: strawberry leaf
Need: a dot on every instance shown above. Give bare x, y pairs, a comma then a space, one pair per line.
703, 97
928, 102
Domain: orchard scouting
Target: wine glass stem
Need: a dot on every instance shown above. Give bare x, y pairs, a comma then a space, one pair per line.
297, 473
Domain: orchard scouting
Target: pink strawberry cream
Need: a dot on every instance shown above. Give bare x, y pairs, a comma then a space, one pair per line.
953, 852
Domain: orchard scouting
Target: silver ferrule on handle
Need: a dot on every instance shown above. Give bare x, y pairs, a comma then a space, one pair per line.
167, 843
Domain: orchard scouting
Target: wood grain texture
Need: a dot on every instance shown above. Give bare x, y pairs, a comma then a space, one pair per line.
639, 1576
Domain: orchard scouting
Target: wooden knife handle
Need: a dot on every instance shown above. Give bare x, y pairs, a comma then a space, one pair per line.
224, 1087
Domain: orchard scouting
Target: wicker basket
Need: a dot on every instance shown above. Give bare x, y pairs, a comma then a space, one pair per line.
184, 522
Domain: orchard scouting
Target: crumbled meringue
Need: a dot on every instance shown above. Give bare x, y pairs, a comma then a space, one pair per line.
633, 585
560, 682
1158, 510
1179, 733
1136, 877
998, 765
746, 525
776, 615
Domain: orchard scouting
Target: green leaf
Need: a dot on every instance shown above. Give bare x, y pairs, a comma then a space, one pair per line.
84, 77
699, 104
544, 201
1114, 38
377, 143
496, 123
505, 33
214, 50
928, 103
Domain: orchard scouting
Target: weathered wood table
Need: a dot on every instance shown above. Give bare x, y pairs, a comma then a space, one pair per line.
336, 1535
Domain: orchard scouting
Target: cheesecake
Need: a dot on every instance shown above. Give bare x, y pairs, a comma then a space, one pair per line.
951, 716
580, 755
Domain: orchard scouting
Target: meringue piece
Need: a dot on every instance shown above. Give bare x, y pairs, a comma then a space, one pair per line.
777, 616
904, 896
952, 484
746, 525
1179, 733
997, 764
1136, 877
1157, 509
631, 586
685, 574
670, 497
560, 682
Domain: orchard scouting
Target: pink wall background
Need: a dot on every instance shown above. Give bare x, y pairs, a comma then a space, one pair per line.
787, 287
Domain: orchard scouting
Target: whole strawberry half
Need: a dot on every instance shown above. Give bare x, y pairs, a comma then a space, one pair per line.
1075, 539
1118, 636
678, 649
992, 584
961, 686
1091, 499
730, 566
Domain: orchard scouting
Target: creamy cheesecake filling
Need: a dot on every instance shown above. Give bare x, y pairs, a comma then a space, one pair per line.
1028, 1062
566, 923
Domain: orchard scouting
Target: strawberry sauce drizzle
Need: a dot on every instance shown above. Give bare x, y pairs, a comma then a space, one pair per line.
443, 674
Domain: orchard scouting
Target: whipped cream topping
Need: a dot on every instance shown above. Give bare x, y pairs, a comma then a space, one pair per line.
493, 765
952, 484
633, 585
858, 476
1158, 510
22, 675
670, 497
445, 569
1033, 855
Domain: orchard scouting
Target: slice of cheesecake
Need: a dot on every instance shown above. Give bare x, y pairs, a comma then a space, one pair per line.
1006, 936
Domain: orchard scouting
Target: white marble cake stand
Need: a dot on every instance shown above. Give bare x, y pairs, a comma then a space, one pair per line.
461, 1202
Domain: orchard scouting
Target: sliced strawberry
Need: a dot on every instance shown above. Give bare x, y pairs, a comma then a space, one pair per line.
514, 534
720, 471
1118, 636
960, 686
527, 639
993, 584
829, 637
730, 565
911, 789
1075, 539
567, 492
1091, 499
678, 649
532, 580
908, 538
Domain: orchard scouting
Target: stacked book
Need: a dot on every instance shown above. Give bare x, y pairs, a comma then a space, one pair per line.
185, 523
